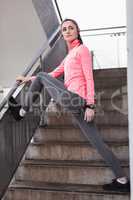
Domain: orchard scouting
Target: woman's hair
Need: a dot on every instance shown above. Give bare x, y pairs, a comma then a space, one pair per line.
74, 22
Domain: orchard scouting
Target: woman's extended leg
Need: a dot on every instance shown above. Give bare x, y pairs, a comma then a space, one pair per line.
91, 133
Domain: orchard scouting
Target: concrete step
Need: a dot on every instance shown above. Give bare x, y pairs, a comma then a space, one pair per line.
73, 134
114, 99
72, 151
110, 82
47, 191
110, 78
110, 73
74, 172
108, 93
102, 118
114, 104
112, 118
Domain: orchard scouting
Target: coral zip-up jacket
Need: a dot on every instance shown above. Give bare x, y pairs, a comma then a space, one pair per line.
77, 69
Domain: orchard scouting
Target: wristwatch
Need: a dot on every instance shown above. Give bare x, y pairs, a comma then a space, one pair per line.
91, 106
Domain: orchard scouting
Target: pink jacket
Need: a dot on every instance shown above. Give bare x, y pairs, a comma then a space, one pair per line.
77, 69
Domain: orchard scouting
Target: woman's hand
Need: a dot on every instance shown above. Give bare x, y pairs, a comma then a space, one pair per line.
89, 114
23, 79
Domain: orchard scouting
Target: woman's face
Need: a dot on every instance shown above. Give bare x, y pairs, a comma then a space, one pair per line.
69, 31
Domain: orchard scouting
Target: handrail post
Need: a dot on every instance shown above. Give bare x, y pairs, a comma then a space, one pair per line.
41, 63
92, 59
42, 97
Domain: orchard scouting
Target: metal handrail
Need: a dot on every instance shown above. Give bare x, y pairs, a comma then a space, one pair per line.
97, 32
51, 42
58, 10
103, 28
111, 33
107, 31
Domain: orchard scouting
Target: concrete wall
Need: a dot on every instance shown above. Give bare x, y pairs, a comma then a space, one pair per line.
21, 34
130, 83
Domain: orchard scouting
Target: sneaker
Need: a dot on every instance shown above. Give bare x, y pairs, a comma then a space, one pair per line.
14, 108
116, 186
32, 141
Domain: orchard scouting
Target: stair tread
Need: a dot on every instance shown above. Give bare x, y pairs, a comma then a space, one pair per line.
68, 163
68, 113
72, 133
106, 117
110, 72
77, 143
71, 126
80, 188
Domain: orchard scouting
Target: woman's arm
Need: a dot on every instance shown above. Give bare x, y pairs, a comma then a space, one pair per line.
57, 71
86, 62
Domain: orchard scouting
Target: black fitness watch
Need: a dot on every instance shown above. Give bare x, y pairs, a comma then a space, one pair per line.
91, 106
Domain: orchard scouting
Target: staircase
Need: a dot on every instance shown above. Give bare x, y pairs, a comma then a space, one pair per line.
61, 165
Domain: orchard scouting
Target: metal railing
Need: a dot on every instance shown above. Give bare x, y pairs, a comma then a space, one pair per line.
108, 46
104, 57
16, 136
41, 54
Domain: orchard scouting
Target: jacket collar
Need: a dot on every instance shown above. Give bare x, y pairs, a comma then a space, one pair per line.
74, 43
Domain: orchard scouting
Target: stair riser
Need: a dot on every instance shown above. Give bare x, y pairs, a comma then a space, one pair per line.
111, 118
72, 134
112, 105
47, 195
71, 152
102, 118
109, 93
110, 73
110, 83
65, 174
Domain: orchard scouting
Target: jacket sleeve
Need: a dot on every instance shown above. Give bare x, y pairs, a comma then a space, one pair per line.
33, 78
55, 73
86, 63
58, 71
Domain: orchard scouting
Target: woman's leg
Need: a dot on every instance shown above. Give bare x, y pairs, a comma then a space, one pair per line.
91, 133
56, 90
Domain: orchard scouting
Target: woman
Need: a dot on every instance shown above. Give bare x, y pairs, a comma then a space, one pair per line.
76, 94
